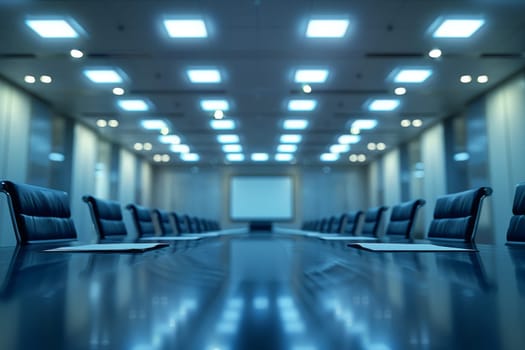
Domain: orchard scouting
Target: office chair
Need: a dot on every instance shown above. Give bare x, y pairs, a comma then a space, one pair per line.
39, 214
373, 219
107, 218
456, 215
403, 217
179, 223
162, 222
516, 230
142, 220
335, 225
352, 222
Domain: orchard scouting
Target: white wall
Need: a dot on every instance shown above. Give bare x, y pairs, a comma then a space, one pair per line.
391, 178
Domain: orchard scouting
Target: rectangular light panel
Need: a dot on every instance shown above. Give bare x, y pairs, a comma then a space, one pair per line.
340, 148
135, 105
204, 76
235, 157
284, 157
103, 76
215, 105
348, 139
52, 28
290, 138
383, 105
186, 28
222, 124
287, 148
412, 75
302, 105
311, 75
153, 124
295, 124
173, 139
260, 157
458, 28
228, 138
327, 28
232, 148
364, 124
329, 157
190, 157
180, 148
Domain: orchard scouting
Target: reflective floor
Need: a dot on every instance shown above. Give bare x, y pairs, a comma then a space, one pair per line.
262, 291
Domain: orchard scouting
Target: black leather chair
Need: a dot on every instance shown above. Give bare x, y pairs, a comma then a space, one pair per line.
456, 215
39, 214
179, 223
162, 222
335, 224
516, 230
403, 217
352, 222
372, 223
141, 217
107, 218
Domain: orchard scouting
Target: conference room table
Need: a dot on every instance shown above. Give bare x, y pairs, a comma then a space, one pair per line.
262, 291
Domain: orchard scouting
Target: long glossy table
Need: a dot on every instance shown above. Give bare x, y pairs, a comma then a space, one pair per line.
262, 291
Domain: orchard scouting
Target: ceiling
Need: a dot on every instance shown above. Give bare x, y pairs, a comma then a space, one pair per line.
257, 46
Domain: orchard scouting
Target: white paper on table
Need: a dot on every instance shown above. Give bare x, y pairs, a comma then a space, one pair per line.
408, 247
109, 247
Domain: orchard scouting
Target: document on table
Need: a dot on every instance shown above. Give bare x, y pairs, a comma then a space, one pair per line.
348, 238
408, 247
109, 247
169, 238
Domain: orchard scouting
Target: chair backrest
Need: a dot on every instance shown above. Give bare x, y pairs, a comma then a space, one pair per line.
403, 217
373, 217
516, 230
456, 215
196, 224
107, 217
162, 222
142, 220
179, 223
323, 227
335, 224
39, 214
352, 221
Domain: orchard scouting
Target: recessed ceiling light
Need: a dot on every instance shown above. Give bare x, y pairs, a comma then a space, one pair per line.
348, 139
235, 157
327, 28
461, 156
46, 79
228, 138
75, 53
104, 76
218, 114
133, 105
259, 157
153, 124
295, 124
232, 148
405, 123
165, 158
283, 157
465, 79
355, 131
53, 28
361, 158
287, 148
204, 75
118, 91
138, 146
417, 123
222, 124
190, 157
102, 123
307, 88
30, 79
169, 139
180, 148
164, 131
364, 124
186, 28
371, 146
352, 158
482, 79
214, 105
329, 157
113, 123
291, 138
339, 148
412, 75
302, 105
381, 146
400, 91
383, 105
148, 146
457, 28
311, 75
435, 53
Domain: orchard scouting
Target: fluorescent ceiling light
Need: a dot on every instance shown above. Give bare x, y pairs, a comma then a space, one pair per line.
186, 28
291, 138
412, 75
348, 139
56, 157
232, 148
327, 28
311, 75
135, 105
180, 148
190, 157
214, 105
103, 76
222, 124
302, 105
457, 28
461, 156
170, 139
235, 157
259, 157
340, 148
53, 28
153, 124
383, 105
228, 138
295, 124
283, 157
204, 75
329, 157
287, 148
364, 124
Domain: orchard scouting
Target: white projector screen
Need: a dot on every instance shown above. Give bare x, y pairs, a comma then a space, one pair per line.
261, 198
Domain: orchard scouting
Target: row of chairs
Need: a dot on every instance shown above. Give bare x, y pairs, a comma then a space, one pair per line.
41, 214
455, 216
